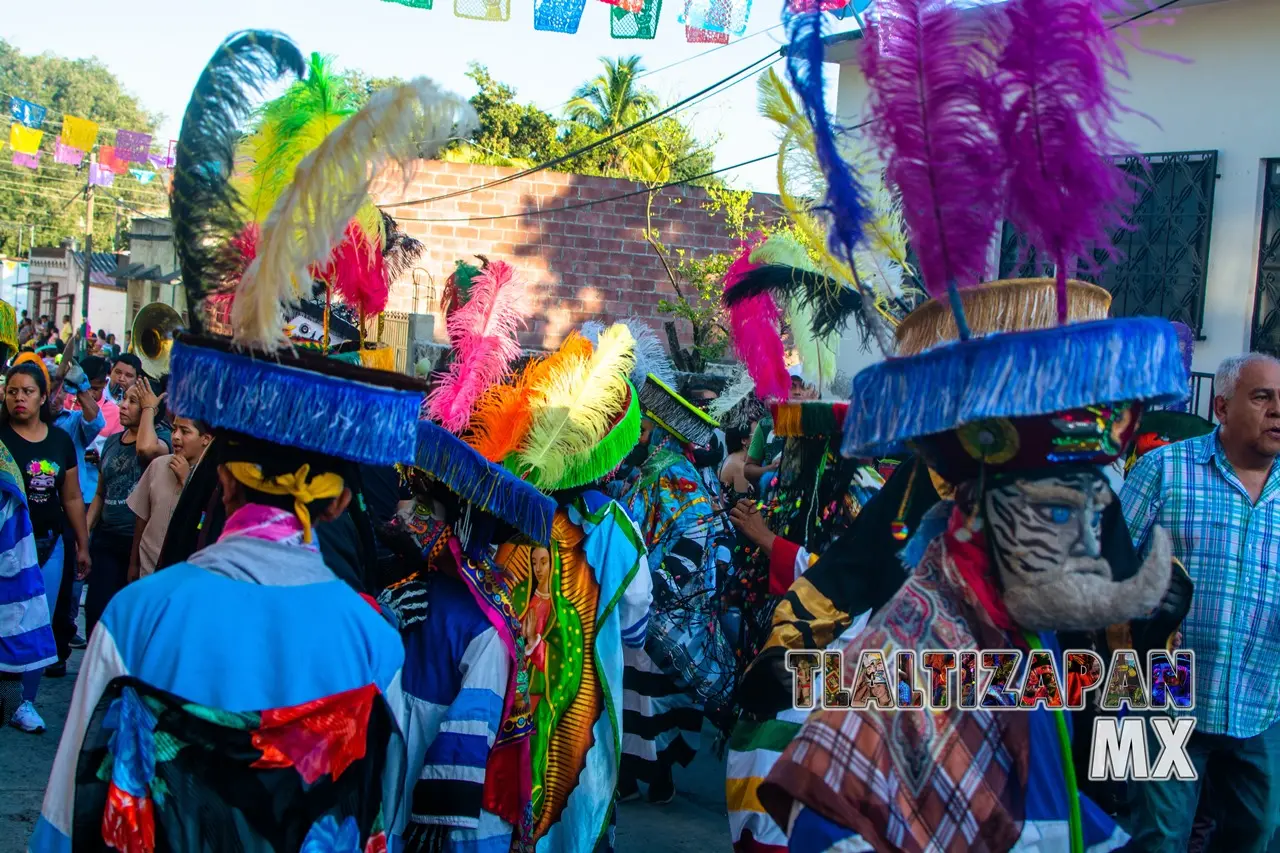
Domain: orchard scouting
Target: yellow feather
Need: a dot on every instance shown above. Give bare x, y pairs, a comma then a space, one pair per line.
329, 187
801, 183
574, 406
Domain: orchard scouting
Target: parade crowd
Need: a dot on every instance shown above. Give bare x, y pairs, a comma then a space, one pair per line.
332, 607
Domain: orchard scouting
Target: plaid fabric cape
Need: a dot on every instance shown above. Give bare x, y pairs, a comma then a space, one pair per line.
941, 780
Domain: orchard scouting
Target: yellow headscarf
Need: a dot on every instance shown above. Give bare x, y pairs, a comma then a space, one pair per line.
296, 485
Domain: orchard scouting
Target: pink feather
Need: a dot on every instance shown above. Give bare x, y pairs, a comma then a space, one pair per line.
757, 332
936, 113
1065, 193
483, 333
357, 271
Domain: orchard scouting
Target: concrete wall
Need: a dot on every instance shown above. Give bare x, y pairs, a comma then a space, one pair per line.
107, 310
588, 263
1223, 99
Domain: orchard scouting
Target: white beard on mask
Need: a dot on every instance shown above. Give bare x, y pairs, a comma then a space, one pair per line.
1045, 536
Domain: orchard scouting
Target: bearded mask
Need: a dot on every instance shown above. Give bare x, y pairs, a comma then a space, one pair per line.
1064, 557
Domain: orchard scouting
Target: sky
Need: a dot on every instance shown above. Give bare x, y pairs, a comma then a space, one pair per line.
158, 55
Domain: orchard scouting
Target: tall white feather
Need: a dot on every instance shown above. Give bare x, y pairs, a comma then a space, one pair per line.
309, 219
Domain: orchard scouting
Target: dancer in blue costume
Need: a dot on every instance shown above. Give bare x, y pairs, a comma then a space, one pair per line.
246, 698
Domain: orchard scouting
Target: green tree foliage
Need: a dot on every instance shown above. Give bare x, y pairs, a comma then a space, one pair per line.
44, 197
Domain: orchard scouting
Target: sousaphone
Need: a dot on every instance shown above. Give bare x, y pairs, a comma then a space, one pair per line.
153, 330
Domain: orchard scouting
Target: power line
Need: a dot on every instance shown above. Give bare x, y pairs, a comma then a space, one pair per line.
581, 204
564, 158
711, 50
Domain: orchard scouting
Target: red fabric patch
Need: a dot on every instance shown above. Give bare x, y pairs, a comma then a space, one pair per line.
782, 566
377, 843
373, 602
128, 822
318, 737
974, 565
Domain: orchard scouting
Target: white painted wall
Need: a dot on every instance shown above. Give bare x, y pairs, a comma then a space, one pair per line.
1223, 99
107, 310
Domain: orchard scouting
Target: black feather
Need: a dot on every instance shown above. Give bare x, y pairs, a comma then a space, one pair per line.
399, 250
832, 302
204, 205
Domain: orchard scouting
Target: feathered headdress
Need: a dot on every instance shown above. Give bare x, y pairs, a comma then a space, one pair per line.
484, 335
311, 216
1065, 193
206, 208
738, 406
285, 398
935, 115
802, 186
755, 320
502, 417
576, 407
651, 355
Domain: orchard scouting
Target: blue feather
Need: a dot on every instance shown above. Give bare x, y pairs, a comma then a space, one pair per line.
1013, 375
847, 201
478, 481
294, 407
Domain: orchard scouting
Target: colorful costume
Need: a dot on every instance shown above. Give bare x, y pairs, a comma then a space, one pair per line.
1018, 422
281, 733
467, 716
687, 661
26, 642
564, 424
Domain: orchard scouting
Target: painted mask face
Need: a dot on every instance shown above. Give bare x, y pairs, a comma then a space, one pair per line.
1046, 538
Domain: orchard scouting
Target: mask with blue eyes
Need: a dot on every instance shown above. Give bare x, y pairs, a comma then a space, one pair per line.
1046, 539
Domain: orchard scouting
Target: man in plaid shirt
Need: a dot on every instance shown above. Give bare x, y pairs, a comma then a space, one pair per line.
1218, 496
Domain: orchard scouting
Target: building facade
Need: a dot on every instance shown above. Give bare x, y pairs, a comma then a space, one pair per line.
1205, 244
56, 285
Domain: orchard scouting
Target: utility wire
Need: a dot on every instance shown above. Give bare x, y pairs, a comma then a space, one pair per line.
524, 173
581, 204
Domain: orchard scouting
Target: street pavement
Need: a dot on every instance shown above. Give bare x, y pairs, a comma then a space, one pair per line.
695, 822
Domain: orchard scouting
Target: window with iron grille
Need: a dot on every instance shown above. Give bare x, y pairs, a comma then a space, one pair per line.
1162, 261
1266, 301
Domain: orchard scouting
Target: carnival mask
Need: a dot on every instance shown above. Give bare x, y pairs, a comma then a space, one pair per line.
1047, 539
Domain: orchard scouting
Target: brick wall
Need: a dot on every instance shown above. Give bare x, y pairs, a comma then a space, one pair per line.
589, 263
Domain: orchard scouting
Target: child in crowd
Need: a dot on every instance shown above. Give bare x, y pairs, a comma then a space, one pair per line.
156, 494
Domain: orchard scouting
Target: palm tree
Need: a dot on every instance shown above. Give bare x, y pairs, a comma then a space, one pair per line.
611, 101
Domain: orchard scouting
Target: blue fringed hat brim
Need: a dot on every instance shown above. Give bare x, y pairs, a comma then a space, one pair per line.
487, 486
327, 407
1013, 375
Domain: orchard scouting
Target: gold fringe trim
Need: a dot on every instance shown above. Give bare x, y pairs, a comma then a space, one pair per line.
1010, 305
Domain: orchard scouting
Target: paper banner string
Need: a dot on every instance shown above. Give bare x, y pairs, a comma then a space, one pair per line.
132, 147
721, 16
558, 16
693, 35
633, 6
66, 155
143, 176
23, 139
31, 161
100, 177
79, 133
413, 4
32, 115
483, 10
640, 25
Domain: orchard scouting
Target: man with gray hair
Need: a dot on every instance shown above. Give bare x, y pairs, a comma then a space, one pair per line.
1218, 496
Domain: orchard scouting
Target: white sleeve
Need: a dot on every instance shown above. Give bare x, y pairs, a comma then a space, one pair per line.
101, 664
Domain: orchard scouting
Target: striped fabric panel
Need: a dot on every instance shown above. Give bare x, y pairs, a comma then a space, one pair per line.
450, 788
753, 750
656, 714
26, 638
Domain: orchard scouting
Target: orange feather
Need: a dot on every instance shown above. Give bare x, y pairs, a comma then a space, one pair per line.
503, 416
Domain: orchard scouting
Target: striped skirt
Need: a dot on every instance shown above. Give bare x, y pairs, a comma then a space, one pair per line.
661, 723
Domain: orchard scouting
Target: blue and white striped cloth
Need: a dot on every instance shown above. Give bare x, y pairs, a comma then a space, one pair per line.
26, 636
454, 683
